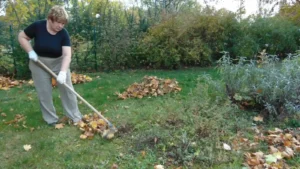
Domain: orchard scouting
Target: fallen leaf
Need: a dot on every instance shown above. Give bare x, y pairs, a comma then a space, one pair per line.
143, 153
30, 82
59, 126
114, 166
93, 124
27, 147
254, 158
270, 159
226, 146
289, 152
278, 155
158, 167
258, 118
107, 134
82, 136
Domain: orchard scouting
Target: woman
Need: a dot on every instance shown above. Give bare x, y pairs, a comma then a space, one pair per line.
52, 46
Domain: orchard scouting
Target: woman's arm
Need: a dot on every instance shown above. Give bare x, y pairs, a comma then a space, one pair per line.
24, 42
66, 54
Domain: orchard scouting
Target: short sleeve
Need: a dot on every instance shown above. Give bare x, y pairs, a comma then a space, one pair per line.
66, 38
30, 30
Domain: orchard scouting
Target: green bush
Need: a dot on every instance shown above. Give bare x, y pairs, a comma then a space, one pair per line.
276, 34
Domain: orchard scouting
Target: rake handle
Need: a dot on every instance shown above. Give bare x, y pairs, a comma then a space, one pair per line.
73, 91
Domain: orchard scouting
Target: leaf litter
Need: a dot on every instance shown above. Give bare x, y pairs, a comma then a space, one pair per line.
150, 86
6, 83
282, 145
76, 79
92, 125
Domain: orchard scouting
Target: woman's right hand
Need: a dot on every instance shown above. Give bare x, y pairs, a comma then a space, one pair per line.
32, 55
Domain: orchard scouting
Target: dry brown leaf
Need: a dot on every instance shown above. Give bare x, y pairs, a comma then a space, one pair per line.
114, 166
30, 82
59, 126
289, 152
82, 136
258, 119
89, 134
93, 124
273, 149
32, 129
276, 131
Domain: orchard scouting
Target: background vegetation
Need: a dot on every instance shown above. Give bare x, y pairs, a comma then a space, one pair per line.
151, 33
249, 67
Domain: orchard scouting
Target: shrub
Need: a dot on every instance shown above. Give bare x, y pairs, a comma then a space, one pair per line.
267, 85
182, 40
278, 35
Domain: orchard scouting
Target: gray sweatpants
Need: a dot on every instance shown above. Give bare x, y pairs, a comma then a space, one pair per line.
43, 86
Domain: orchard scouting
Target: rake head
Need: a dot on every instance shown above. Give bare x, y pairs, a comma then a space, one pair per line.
110, 132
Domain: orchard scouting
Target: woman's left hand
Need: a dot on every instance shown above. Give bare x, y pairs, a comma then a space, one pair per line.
62, 76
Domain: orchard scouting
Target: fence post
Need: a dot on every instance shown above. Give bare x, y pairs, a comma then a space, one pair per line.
12, 48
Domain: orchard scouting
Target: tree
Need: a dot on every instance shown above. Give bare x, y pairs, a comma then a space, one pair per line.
275, 3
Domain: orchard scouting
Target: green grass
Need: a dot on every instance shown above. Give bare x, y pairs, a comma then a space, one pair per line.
185, 127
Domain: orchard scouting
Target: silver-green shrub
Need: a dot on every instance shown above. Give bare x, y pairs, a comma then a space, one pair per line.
267, 84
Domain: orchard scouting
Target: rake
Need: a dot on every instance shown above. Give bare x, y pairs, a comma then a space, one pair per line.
109, 133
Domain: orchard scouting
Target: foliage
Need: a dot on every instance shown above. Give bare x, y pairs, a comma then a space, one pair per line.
20, 13
278, 35
187, 39
6, 63
269, 86
154, 34
290, 12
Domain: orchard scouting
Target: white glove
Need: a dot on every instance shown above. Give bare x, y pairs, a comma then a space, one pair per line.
62, 76
33, 56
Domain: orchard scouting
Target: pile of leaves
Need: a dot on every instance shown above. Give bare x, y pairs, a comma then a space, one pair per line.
91, 125
150, 86
80, 78
282, 145
6, 83
76, 79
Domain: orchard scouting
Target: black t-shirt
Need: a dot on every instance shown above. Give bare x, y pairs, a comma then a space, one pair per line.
45, 44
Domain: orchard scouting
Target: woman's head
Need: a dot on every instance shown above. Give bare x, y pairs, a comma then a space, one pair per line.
58, 14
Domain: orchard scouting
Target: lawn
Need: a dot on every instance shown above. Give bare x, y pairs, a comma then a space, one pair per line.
185, 129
